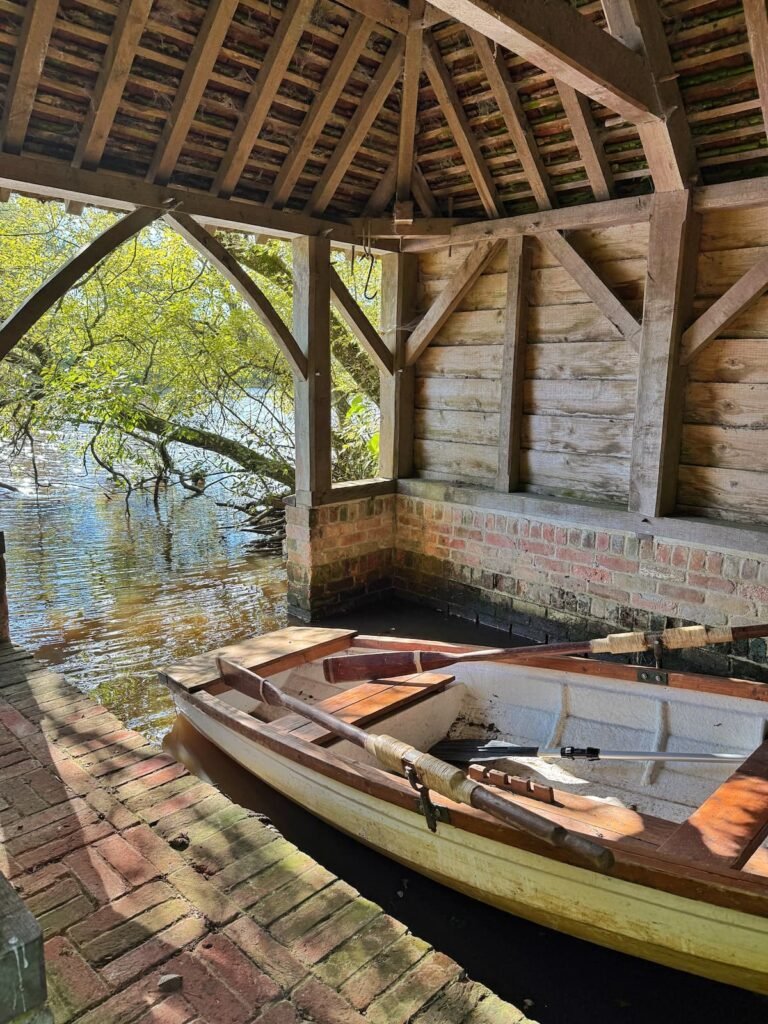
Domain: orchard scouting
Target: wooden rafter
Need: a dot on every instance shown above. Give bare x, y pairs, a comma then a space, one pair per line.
422, 193
368, 109
667, 143
381, 195
561, 41
124, 41
756, 18
336, 78
359, 324
508, 101
409, 103
212, 250
598, 291
39, 18
722, 313
251, 121
589, 145
56, 287
449, 298
453, 111
205, 51
386, 12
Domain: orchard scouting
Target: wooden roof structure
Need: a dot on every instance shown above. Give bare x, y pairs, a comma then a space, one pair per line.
316, 110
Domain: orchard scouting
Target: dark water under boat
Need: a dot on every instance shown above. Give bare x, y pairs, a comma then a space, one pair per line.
105, 600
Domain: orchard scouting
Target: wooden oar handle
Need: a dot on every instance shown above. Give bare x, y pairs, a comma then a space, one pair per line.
672, 639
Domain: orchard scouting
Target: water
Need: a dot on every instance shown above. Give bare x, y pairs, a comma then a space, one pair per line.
106, 599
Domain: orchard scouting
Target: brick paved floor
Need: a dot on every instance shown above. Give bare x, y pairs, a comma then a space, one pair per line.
137, 869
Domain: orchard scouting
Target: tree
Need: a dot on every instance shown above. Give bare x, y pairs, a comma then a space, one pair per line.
163, 370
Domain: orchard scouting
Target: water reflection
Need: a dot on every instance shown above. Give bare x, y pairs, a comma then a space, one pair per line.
106, 599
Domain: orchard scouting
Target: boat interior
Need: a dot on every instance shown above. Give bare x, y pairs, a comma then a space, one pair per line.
638, 804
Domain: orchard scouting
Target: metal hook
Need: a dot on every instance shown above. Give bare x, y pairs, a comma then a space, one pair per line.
370, 298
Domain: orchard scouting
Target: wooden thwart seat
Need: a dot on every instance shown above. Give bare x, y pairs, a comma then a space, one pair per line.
364, 704
729, 826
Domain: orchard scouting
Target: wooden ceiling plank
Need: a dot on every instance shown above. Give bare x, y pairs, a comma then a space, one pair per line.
31, 49
453, 112
567, 45
409, 101
251, 121
449, 298
210, 39
598, 291
667, 143
722, 313
588, 143
508, 101
370, 104
56, 287
118, 60
360, 325
335, 80
211, 249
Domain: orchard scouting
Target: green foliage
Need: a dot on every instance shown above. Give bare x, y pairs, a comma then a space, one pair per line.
155, 354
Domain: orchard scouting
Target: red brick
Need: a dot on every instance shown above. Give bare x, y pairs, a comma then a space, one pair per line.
404, 999
212, 903
154, 849
268, 954
60, 919
28, 885
212, 999
47, 786
116, 814
226, 962
279, 1013
146, 782
322, 1005
51, 851
154, 951
126, 859
72, 985
129, 934
16, 722
174, 1010
188, 798
121, 910
687, 594
127, 1005
97, 742
95, 875
709, 583
141, 768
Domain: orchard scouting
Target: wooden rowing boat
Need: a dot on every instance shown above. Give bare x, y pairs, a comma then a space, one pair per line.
689, 884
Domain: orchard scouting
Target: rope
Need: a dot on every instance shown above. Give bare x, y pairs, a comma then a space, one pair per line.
619, 643
436, 775
672, 639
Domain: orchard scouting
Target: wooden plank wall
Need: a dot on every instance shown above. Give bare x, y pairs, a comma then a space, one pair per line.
724, 458
581, 375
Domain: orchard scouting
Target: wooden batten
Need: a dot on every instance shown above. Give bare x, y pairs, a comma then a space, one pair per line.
399, 274
514, 364
36, 29
312, 396
579, 113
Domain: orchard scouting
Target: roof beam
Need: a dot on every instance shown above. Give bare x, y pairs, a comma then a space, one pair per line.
347, 146
567, 45
609, 305
508, 101
756, 18
210, 39
385, 12
449, 298
667, 143
57, 286
722, 313
336, 77
260, 99
458, 122
211, 249
422, 193
409, 103
39, 18
359, 324
582, 125
124, 41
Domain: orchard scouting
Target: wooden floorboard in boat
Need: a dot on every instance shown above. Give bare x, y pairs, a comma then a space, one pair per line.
363, 705
727, 829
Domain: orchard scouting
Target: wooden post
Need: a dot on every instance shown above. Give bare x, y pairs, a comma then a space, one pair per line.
399, 274
669, 292
513, 363
312, 397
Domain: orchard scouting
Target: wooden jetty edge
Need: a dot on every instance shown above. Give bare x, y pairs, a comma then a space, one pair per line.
137, 870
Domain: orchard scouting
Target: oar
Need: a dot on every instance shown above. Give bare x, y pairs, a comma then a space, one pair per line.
468, 751
431, 773
385, 664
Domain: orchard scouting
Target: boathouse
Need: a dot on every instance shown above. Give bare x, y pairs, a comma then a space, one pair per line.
569, 199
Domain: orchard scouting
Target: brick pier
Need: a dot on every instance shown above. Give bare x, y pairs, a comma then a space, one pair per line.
135, 869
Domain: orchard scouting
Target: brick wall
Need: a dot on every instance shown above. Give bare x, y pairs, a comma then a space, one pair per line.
339, 555
547, 580
4, 631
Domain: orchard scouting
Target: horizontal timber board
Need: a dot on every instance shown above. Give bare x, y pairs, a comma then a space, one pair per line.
575, 360
577, 475
450, 424
740, 493
476, 361
717, 271
724, 447
459, 393
732, 360
578, 435
615, 398
730, 405
456, 458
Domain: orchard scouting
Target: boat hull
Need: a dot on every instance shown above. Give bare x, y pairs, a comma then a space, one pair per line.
715, 942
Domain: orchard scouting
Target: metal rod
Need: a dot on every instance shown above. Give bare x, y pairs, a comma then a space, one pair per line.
467, 750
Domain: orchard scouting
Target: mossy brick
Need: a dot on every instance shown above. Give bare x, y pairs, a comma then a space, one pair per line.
121, 910
413, 990
127, 860
61, 890
231, 844
141, 767
453, 1004
60, 919
37, 881
22, 797
355, 952
134, 745
125, 763
155, 951
228, 963
73, 986
323, 1005
317, 908
283, 899
266, 952
173, 1010
154, 848
494, 1010
217, 821
240, 871
98, 878
124, 1007
190, 797
363, 987
279, 1013
188, 816
159, 777
328, 935
209, 995
206, 898
114, 812
44, 818
109, 739
143, 797
118, 940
